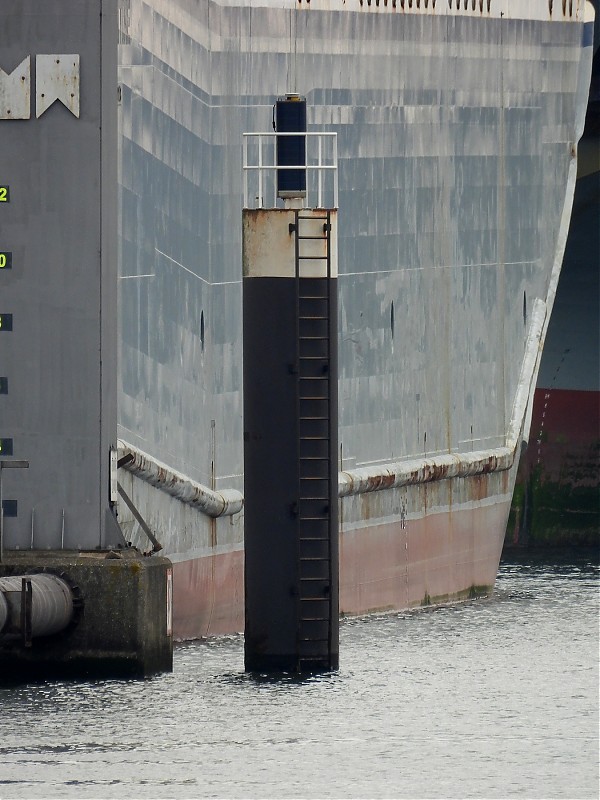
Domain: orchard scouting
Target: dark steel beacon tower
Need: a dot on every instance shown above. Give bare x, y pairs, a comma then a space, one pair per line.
290, 396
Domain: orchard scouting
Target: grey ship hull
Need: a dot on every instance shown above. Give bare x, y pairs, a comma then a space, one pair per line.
557, 500
458, 133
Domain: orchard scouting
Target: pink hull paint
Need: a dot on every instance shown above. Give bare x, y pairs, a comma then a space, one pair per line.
440, 557
208, 596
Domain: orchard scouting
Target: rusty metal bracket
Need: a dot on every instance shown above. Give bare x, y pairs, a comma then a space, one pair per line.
156, 545
124, 460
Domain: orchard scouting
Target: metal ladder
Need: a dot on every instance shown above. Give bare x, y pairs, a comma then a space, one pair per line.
314, 444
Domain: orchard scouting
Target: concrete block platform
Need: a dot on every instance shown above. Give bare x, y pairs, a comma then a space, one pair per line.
121, 620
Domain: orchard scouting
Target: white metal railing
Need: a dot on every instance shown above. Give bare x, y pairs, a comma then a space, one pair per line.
321, 169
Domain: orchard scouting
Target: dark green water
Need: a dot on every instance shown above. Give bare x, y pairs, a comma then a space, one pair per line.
493, 699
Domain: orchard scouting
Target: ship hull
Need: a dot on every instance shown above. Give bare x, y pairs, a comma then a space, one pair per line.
457, 131
556, 501
557, 496
445, 557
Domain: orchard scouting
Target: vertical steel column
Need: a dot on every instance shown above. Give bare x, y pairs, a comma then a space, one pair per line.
290, 440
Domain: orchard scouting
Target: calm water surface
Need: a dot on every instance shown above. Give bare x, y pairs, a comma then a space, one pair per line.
495, 698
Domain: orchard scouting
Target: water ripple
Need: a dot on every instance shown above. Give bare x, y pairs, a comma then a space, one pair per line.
495, 698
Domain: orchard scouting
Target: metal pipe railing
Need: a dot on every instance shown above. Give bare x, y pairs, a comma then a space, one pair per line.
264, 168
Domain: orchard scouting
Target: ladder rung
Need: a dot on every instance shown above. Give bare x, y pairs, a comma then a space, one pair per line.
315, 656
314, 619
322, 518
312, 558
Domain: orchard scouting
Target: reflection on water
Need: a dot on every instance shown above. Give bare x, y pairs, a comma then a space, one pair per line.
495, 698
